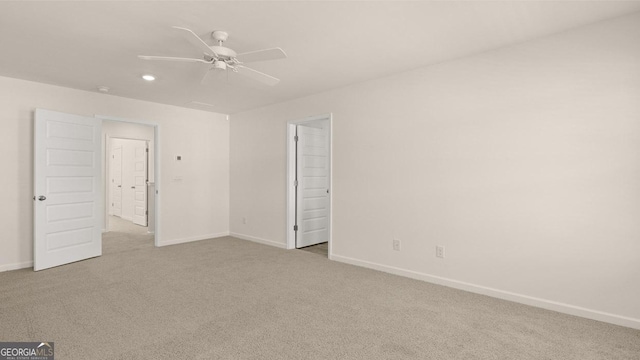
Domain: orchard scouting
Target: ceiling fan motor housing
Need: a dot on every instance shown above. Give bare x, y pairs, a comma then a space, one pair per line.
223, 52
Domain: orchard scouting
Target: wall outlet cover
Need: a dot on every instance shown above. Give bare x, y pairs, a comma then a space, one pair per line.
396, 244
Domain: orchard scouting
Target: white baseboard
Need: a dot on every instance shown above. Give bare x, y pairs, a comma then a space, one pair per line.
259, 240
192, 238
16, 266
500, 294
28, 264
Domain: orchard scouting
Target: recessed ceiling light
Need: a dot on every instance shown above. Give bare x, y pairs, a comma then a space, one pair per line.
148, 77
103, 89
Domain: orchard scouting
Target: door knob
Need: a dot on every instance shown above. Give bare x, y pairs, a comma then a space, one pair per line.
42, 198
119, 186
133, 187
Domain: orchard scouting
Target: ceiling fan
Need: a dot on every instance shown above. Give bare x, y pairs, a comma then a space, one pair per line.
222, 59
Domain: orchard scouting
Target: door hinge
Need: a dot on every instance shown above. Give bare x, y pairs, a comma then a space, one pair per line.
146, 212
295, 138
295, 183
147, 149
295, 227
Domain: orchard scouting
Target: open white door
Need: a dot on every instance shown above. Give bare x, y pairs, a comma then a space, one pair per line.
312, 191
68, 189
140, 183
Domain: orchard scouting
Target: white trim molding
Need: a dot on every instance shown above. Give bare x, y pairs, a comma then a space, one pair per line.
496, 293
16, 266
259, 240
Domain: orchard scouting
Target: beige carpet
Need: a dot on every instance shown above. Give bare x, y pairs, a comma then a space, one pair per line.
120, 225
124, 236
233, 299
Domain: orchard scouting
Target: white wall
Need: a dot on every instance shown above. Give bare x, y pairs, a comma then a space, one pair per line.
524, 162
195, 207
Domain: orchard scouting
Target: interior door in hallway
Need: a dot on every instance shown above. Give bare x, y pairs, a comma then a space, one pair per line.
140, 160
116, 180
67, 188
312, 189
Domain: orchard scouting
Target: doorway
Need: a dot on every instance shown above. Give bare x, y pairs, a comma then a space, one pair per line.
130, 192
309, 184
128, 179
69, 174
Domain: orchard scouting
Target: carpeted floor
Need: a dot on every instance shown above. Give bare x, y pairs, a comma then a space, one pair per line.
120, 225
233, 299
124, 236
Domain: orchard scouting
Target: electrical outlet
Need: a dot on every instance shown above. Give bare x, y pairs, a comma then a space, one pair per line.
440, 251
244, 220
396, 244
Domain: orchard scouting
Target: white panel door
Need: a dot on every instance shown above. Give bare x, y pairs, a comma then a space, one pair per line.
68, 189
312, 192
140, 183
116, 180
127, 177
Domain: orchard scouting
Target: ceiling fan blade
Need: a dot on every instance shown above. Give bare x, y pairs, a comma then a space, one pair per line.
197, 41
262, 55
169, 58
257, 75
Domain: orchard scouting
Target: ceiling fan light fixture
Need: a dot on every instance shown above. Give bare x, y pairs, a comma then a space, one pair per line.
148, 77
220, 65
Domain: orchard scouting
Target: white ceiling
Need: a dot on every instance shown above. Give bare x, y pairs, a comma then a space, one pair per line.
330, 44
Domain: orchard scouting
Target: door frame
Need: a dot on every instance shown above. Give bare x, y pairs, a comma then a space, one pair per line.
291, 176
156, 170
